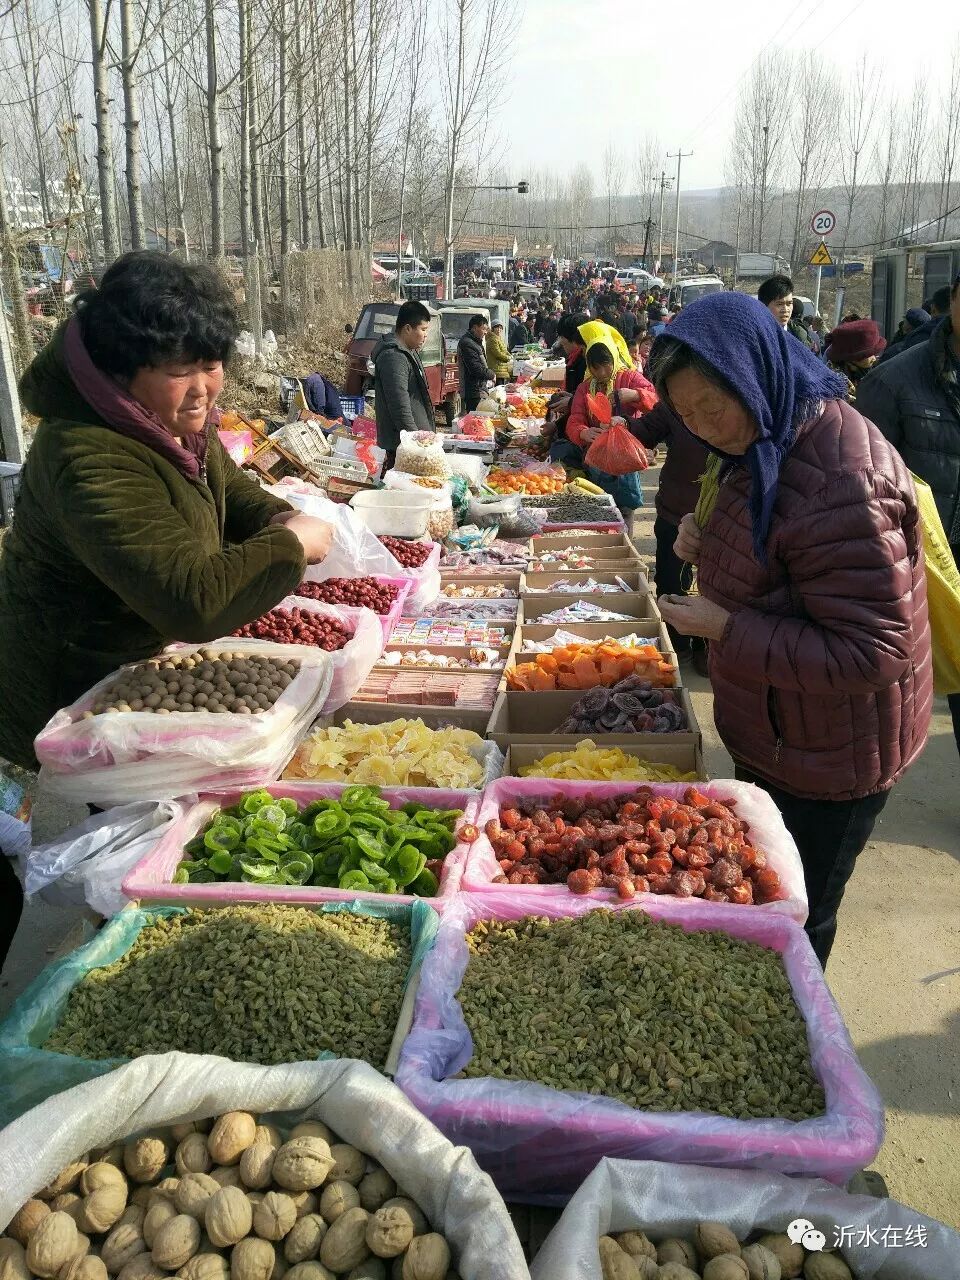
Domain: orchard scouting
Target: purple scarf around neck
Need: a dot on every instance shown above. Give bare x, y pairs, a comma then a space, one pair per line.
128, 417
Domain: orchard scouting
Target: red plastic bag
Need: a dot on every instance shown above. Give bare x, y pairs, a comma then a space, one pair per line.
600, 408
616, 452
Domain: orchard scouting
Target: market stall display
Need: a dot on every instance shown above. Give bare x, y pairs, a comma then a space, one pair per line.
632, 705
590, 761
412, 555
431, 631
520, 717
341, 1122
586, 666
678, 1215
470, 690
545, 479
396, 753
541, 1139
297, 626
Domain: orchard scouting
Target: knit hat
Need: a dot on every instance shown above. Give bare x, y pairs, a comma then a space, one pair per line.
916, 317
853, 341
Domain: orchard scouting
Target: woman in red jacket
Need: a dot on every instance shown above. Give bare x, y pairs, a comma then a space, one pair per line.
813, 595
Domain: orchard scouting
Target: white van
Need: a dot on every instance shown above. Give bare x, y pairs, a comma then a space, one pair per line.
689, 288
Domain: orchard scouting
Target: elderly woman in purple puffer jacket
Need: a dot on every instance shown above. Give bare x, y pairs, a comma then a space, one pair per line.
812, 588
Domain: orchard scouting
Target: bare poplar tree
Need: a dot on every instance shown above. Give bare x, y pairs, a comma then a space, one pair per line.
106, 176
129, 51
812, 138
948, 136
857, 119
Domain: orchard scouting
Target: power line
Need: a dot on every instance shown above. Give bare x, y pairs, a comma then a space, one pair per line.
858, 5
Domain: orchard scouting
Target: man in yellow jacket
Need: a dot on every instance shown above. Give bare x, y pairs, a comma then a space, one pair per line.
498, 355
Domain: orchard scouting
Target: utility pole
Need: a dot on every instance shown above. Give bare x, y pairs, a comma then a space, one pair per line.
763, 188
680, 155
646, 241
664, 183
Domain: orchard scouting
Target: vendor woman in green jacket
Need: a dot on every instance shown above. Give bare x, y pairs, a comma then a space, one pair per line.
133, 526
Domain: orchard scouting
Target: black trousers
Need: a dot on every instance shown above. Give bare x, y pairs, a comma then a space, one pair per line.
830, 835
11, 904
674, 576
953, 701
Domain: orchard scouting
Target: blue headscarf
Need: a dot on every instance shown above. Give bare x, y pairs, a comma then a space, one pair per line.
779, 380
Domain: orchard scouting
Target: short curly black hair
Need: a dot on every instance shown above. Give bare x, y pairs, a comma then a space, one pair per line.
151, 309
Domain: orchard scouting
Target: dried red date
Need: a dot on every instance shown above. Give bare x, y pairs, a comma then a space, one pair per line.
368, 593
297, 626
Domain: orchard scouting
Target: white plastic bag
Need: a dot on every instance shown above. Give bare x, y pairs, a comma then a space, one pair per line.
86, 865
114, 759
358, 1103
355, 552
669, 1200
420, 453
245, 345
15, 816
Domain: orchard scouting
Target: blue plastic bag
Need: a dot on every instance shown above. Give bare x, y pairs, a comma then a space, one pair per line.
29, 1073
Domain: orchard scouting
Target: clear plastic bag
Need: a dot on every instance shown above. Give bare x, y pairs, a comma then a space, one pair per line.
86, 865
420, 453
669, 1200
363, 1107
541, 1142
115, 759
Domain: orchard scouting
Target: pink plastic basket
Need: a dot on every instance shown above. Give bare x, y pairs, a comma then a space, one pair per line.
752, 804
540, 1143
389, 620
151, 880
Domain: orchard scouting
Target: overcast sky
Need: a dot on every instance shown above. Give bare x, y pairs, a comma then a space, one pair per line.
585, 71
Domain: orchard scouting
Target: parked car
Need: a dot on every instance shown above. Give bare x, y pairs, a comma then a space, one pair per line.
689, 288
760, 266
438, 355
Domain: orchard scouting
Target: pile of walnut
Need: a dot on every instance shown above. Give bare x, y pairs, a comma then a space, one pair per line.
715, 1253
231, 1198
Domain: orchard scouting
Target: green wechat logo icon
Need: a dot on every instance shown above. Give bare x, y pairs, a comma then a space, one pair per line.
802, 1231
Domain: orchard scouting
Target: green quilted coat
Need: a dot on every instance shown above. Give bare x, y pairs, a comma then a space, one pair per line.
113, 553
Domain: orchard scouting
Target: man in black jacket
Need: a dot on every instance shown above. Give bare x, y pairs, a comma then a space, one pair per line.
915, 401
472, 360
402, 396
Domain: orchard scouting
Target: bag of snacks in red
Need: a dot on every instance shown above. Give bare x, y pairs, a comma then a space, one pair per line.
616, 451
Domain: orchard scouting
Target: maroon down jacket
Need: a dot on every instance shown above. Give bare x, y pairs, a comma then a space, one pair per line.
823, 682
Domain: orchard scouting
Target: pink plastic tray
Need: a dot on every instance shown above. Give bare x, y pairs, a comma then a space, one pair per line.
540, 1143
753, 805
610, 526
151, 880
389, 620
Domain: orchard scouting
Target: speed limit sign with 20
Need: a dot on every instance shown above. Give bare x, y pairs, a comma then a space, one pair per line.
823, 223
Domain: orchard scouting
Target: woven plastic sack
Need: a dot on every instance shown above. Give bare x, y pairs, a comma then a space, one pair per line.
752, 804
31, 1073
669, 1200
357, 1102
943, 593
115, 759
541, 1143
616, 452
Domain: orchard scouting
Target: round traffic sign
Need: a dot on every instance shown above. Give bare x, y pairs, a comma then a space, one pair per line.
823, 223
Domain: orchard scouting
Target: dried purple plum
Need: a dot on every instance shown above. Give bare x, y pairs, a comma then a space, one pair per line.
630, 683
609, 720
592, 704
570, 725
670, 718
628, 703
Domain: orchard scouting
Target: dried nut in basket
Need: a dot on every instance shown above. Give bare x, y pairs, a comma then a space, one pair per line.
55, 1241
376, 1189
230, 1136
312, 1129
726, 1266
13, 1260
226, 1176
309, 1271
761, 1263
677, 1271
194, 1193
144, 1158
789, 1255
228, 1217
142, 1267
373, 1269
302, 1164
306, 1202
252, 1259
158, 1213
427, 1258
304, 1240
205, 1266
83, 1266
270, 1135
420, 1224
826, 1266
100, 1176
192, 1155
256, 1166
337, 1198
274, 1216
713, 1238
66, 1179
389, 1232
176, 1242
124, 1243
350, 1164
636, 1244
345, 1244
26, 1220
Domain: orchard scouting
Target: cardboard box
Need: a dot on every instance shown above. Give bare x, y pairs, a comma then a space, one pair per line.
654, 632
533, 718
512, 578
447, 651
537, 584
434, 717
604, 560
687, 757
640, 605
590, 540
646, 628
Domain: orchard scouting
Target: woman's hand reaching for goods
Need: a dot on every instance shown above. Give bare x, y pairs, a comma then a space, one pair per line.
694, 616
315, 536
687, 545
591, 433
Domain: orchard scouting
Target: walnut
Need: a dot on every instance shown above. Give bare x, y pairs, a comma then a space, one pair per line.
713, 1238
302, 1164
761, 1263
375, 1189
389, 1232
100, 1175
252, 1259
726, 1266
427, 1258
124, 1243
176, 1242
304, 1240
274, 1216
349, 1163
54, 1242
345, 1244
192, 1155
23, 1223
194, 1193
144, 1158
158, 1213
270, 1135
205, 1266
256, 1166
230, 1136
228, 1216
102, 1209
312, 1129
65, 1180
83, 1266
826, 1266
13, 1260
790, 1256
